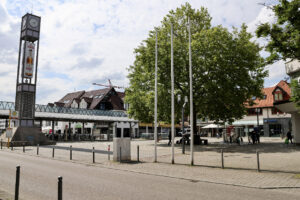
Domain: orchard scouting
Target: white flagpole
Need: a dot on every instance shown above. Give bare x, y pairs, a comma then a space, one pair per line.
191, 96
172, 93
155, 102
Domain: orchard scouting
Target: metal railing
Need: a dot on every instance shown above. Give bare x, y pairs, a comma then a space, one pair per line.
4, 105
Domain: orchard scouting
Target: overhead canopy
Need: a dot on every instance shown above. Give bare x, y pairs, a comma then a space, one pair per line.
212, 126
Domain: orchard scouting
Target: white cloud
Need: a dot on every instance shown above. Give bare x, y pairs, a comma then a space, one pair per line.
89, 41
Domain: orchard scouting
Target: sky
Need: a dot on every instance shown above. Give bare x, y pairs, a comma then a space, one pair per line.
87, 41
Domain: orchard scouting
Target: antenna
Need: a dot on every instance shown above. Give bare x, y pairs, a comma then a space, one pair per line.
31, 7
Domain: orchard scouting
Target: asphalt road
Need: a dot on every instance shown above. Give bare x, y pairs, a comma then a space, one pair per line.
80, 181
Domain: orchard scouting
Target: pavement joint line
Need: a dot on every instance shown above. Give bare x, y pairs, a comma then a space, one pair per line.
207, 166
101, 165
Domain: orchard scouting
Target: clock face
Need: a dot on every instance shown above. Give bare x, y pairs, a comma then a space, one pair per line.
33, 23
24, 22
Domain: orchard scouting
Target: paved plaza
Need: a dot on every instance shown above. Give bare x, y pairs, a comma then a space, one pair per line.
279, 163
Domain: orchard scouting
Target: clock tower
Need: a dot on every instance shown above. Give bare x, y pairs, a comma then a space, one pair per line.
27, 69
26, 82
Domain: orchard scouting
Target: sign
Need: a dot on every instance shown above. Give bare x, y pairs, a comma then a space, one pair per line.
270, 120
14, 114
8, 132
29, 59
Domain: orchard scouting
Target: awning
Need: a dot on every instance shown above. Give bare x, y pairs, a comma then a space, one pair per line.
212, 126
245, 122
288, 107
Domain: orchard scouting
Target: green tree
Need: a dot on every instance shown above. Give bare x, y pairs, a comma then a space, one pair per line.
284, 35
227, 69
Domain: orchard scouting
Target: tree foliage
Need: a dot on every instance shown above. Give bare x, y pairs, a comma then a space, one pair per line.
295, 93
284, 35
227, 69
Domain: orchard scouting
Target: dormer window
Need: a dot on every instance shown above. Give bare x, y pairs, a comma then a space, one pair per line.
66, 101
278, 95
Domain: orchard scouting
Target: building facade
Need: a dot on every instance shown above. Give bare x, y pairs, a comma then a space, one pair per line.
293, 70
103, 99
265, 115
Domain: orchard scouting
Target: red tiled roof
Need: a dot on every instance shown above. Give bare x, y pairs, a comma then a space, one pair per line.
269, 101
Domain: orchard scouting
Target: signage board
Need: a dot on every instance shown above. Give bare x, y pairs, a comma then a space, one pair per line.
8, 132
292, 67
14, 114
29, 59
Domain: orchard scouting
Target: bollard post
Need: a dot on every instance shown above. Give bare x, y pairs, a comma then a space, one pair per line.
108, 151
138, 153
37, 149
257, 156
59, 196
11, 146
71, 152
17, 183
1, 144
120, 154
23, 148
93, 154
53, 152
222, 158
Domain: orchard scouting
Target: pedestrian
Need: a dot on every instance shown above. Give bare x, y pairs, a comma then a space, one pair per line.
170, 139
253, 137
289, 136
258, 137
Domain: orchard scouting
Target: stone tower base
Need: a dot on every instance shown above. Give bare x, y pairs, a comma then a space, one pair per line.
28, 136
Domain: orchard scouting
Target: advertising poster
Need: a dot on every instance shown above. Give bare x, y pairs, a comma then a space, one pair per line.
29, 60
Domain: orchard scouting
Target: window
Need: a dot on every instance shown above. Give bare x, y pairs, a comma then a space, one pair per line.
98, 96
265, 97
253, 98
66, 101
102, 106
278, 96
276, 110
252, 111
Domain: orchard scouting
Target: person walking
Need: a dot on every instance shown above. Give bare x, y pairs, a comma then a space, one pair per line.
289, 136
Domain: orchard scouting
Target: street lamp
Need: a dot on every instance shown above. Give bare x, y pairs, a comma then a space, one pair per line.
257, 111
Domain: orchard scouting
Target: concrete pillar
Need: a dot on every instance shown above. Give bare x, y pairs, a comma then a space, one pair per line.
130, 130
68, 131
122, 130
296, 127
92, 131
52, 123
114, 129
82, 130
74, 129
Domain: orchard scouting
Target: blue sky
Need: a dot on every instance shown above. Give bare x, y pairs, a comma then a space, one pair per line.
86, 41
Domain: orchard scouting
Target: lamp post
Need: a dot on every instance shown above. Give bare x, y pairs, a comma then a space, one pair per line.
155, 104
172, 95
191, 95
257, 111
